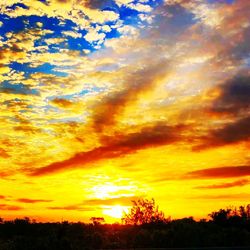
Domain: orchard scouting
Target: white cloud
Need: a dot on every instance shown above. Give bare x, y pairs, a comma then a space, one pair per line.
72, 34
93, 36
139, 7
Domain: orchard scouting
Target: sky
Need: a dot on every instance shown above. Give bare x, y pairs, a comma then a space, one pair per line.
107, 101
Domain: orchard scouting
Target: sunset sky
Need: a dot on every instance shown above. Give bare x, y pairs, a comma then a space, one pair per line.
107, 101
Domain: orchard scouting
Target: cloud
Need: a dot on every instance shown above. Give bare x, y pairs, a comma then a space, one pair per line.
220, 172
139, 7
238, 183
72, 34
97, 4
139, 81
64, 103
217, 14
123, 200
4, 174
231, 197
231, 107
26, 129
77, 207
8, 55
4, 153
93, 36
26, 200
231, 132
118, 146
17, 89
7, 207
80, 13
234, 96
241, 50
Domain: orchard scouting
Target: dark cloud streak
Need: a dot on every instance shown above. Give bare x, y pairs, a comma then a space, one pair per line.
26, 200
232, 132
234, 96
220, 172
7, 207
118, 146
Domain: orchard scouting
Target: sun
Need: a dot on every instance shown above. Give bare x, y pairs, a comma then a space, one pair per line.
116, 211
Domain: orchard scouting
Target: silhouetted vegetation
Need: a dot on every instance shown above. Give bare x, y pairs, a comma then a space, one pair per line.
144, 211
227, 227
97, 220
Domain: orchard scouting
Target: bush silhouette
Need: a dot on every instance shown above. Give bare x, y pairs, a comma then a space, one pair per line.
144, 211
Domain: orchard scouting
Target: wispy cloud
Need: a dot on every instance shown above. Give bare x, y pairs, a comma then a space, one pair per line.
10, 207
117, 146
123, 200
138, 82
77, 207
220, 172
27, 200
238, 183
227, 197
230, 133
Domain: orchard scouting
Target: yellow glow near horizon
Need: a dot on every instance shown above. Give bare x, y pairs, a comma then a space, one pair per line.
116, 211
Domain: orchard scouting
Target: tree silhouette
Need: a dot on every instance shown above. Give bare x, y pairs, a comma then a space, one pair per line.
244, 212
221, 217
238, 217
144, 211
97, 220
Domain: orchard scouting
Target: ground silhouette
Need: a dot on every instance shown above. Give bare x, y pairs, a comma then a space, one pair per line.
226, 228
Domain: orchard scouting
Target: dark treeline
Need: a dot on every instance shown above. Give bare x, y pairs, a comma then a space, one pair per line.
226, 228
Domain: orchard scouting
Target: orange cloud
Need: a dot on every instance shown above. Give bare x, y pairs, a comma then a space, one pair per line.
230, 133
220, 172
10, 207
238, 183
3, 153
118, 146
4, 174
26, 200
62, 102
77, 207
106, 112
238, 196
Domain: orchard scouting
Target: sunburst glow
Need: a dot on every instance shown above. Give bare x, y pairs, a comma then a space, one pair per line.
116, 211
